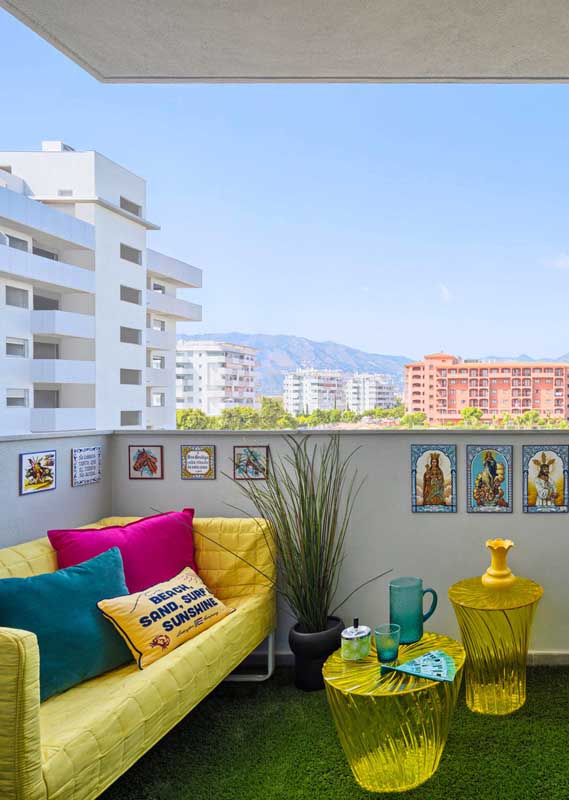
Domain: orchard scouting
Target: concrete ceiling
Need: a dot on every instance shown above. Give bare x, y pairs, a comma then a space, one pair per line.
120, 41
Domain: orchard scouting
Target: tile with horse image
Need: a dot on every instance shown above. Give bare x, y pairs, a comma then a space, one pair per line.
145, 462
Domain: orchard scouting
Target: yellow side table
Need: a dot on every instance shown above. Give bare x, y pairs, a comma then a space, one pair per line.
495, 613
392, 727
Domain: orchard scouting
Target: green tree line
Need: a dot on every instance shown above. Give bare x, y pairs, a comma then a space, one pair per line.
272, 416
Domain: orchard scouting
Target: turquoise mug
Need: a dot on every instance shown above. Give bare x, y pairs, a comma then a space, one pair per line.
406, 607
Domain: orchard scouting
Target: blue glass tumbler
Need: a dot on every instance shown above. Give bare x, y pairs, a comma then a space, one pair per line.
406, 607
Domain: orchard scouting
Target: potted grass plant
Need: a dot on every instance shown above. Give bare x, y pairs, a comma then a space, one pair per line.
307, 499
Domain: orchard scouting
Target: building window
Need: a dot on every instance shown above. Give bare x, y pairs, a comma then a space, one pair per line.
17, 297
158, 325
17, 398
158, 287
17, 243
131, 377
46, 350
130, 295
130, 417
158, 399
42, 303
39, 251
131, 254
158, 362
131, 335
132, 208
46, 398
65, 192
17, 347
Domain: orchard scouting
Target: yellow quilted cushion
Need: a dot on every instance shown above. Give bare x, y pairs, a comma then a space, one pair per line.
159, 619
82, 752
235, 556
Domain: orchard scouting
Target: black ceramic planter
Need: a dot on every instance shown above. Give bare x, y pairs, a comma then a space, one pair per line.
311, 651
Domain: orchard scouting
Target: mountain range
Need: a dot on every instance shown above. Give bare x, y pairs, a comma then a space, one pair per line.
279, 354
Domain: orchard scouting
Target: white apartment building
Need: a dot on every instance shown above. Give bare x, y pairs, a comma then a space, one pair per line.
87, 311
366, 391
307, 390
213, 376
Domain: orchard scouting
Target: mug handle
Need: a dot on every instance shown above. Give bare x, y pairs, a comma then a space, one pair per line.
431, 611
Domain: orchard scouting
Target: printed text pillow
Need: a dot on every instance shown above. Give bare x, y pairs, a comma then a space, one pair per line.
156, 621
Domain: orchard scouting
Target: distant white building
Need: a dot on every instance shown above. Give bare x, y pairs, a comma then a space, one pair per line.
366, 391
213, 376
307, 390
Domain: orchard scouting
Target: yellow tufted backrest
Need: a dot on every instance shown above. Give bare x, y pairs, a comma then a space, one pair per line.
234, 555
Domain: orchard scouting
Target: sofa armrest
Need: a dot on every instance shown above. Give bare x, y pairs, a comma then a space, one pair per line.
235, 556
20, 754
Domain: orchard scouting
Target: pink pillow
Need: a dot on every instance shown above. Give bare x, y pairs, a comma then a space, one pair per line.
153, 549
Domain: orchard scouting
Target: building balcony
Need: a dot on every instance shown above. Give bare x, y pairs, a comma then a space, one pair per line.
160, 340
173, 270
29, 216
161, 417
63, 323
174, 307
159, 377
59, 370
44, 271
62, 419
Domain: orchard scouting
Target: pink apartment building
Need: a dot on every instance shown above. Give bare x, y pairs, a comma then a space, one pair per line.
442, 385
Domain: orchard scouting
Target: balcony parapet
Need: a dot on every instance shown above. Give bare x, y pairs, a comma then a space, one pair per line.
59, 370
174, 307
20, 211
52, 274
63, 323
173, 270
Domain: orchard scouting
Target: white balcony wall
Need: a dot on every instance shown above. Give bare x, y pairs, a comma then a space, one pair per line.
173, 306
38, 270
63, 323
16, 420
53, 370
12, 182
160, 340
159, 377
35, 216
174, 270
26, 518
161, 417
62, 419
384, 533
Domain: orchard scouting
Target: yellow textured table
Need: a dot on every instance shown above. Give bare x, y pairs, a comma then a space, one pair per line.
392, 727
495, 624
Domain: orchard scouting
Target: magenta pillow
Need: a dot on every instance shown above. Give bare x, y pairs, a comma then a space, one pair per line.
153, 549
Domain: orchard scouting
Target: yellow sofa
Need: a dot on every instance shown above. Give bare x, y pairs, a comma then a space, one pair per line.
74, 745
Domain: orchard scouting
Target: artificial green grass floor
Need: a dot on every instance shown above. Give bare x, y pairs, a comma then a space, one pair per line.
272, 742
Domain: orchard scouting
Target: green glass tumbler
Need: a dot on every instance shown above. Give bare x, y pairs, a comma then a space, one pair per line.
387, 642
406, 607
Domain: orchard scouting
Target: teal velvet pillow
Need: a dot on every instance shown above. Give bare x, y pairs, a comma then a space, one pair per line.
75, 641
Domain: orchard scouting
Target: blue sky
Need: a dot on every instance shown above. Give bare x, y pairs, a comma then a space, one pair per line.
397, 219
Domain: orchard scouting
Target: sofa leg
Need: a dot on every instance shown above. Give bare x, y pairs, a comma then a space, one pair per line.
255, 677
